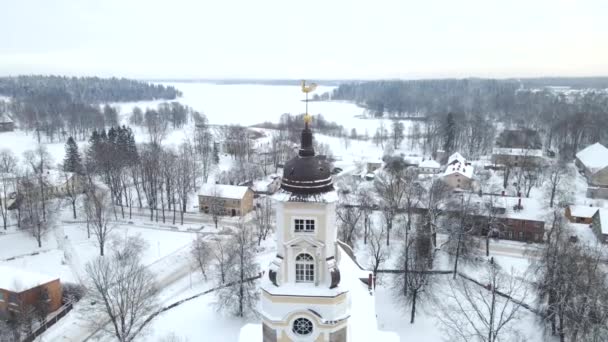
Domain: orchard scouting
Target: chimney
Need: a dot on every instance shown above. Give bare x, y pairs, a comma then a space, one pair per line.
502, 193
369, 281
519, 203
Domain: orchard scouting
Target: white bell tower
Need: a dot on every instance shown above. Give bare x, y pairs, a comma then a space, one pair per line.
302, 299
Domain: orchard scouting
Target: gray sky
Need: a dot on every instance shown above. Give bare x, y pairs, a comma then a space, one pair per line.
312, 39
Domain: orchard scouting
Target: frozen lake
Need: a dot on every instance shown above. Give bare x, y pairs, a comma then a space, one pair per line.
248, 104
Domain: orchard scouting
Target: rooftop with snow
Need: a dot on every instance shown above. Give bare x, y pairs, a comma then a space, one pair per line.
18, 280
223, 191
594, 157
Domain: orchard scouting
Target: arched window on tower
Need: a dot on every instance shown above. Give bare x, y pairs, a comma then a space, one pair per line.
305, 268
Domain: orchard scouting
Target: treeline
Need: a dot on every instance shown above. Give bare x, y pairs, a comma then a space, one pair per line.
420, 97
566, 122
293, 124
84, 89
57, 107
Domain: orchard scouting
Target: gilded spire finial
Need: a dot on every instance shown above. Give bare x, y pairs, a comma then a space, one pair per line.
307, 89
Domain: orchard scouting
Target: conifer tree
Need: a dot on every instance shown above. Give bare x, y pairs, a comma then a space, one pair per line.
72, 161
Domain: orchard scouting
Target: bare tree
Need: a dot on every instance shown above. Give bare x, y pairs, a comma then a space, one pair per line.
572, 285
558, 178
184, 177
460, 229
379, 253
157, 126
390, 188
124, 289
216, 205
263, 217
98, 210
34, 217
223, 259
348, 229
201, 251
416, 255
73, 188
366, 202
8, 161
8, 180
241, 296
434, 200
469, 311
39, 161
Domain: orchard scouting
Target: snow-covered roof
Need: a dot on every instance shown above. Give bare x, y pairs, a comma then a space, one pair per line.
517, 151
412, 160
430, 164
19, 280
223, 191
459, 167
594, 157
582, 211
532, 209
603, 215
456, 156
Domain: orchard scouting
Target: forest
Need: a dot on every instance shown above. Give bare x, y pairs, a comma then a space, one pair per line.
566, 120
56, 107
83, 89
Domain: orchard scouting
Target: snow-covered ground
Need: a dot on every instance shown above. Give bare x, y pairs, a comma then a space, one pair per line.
249, 104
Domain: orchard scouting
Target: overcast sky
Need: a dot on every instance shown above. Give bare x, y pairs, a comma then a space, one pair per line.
304, 39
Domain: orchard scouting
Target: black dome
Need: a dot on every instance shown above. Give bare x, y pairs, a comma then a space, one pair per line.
307, 173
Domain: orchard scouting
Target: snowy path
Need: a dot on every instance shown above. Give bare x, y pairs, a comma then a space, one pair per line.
65, 245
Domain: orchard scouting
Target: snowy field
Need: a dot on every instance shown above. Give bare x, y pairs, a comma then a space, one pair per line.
249, 104
66, 249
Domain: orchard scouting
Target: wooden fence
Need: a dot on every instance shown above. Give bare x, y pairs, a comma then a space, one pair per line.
50, 321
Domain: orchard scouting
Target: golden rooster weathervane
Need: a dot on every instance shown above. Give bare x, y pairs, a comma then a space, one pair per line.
307, 89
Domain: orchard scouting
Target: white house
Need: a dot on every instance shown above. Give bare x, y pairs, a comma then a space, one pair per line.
458, 173
592, 161
429, 166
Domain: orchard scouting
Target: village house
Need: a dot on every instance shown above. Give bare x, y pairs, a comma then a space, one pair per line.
458, 173
6, 123
373, 165
580, 213
233, 200
521, 147
20, 289
429, 166
600, 224
516, 218
592, 162
517, 156
60, 183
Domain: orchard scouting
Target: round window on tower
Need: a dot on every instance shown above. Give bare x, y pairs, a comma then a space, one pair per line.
302, 327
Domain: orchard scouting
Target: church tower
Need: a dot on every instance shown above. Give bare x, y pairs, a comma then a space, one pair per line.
302, 299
